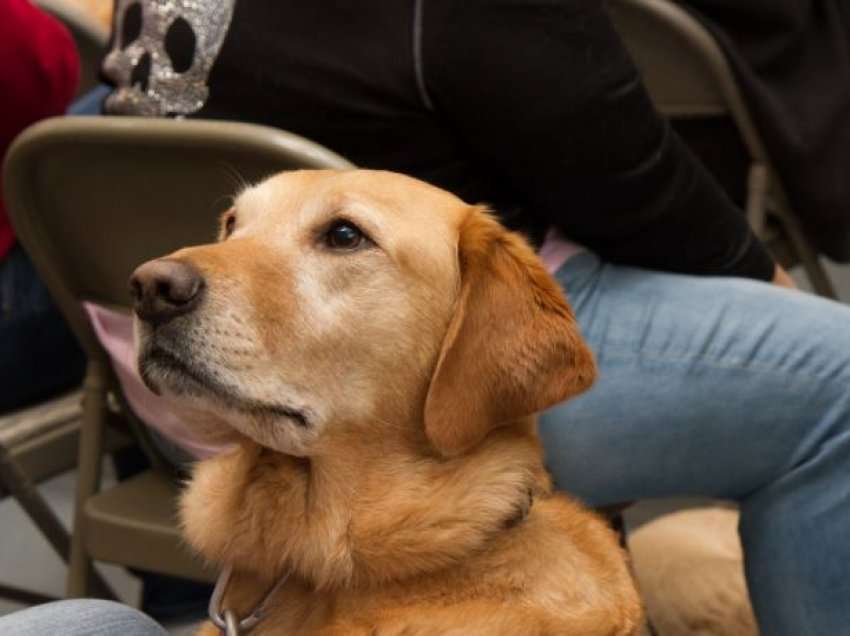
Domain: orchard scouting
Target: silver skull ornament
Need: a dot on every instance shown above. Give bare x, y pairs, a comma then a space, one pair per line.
162, 54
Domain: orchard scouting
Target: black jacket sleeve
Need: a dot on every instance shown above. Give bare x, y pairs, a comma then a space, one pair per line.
543, 93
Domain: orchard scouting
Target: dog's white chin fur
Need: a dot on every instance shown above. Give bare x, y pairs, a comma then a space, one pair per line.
212, 420
215, 420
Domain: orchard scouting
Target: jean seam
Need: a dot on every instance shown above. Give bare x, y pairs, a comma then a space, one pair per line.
715, 363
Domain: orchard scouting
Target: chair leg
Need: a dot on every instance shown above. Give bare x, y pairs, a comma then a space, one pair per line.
81, 575
757, 186
21, 487
24, 597
815, 272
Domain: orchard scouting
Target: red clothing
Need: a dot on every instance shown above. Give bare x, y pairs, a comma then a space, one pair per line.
39, 72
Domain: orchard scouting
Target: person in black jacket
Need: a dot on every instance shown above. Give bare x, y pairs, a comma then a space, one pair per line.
712, 381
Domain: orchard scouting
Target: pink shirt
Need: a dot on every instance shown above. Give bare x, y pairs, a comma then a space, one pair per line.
115, 332
556, 250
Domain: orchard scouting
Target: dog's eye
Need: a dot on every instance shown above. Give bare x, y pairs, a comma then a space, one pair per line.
344, 235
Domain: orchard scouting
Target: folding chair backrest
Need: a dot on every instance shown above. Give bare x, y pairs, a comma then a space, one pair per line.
93, 197
685, 70
90, 199
687, 75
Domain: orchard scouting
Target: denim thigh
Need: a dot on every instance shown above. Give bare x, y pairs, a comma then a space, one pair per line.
707, 386
80, 617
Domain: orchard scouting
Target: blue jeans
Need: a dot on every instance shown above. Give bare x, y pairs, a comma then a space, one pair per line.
79, 617
39, 356
725, 388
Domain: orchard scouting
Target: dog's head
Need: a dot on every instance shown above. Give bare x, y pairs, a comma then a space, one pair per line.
367, 304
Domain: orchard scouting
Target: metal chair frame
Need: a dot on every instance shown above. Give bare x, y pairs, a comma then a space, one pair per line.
688, 75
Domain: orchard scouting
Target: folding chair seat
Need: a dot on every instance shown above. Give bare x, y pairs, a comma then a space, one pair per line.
37, 443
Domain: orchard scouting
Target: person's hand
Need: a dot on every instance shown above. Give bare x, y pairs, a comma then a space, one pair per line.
781, 278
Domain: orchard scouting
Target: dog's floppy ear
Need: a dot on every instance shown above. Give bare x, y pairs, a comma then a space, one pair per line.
512, 348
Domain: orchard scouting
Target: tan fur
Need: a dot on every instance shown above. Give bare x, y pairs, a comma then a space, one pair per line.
689, 567
512, 342
419, 363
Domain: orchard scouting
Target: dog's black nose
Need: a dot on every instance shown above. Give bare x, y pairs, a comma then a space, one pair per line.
164, 289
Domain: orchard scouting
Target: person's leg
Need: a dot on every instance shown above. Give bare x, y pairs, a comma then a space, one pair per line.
39, 356
725, 388
79, 617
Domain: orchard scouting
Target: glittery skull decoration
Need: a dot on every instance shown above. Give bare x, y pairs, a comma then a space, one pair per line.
162, 54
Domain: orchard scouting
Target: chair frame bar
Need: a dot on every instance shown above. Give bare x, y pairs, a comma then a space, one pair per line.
770, 194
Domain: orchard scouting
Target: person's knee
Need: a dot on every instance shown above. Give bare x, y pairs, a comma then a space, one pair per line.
77, 617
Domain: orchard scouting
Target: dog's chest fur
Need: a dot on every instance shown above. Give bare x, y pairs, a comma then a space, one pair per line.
364, 548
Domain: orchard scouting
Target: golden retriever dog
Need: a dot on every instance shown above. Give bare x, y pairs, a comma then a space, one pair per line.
690, 571
375, 349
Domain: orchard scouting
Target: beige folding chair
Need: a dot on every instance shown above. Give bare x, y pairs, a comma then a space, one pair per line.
35, 444
687, 75
90, 199
89, 35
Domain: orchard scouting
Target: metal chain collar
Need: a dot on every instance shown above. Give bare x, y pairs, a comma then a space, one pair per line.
226, 620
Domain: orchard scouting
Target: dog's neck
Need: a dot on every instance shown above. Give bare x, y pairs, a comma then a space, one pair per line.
361, 517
